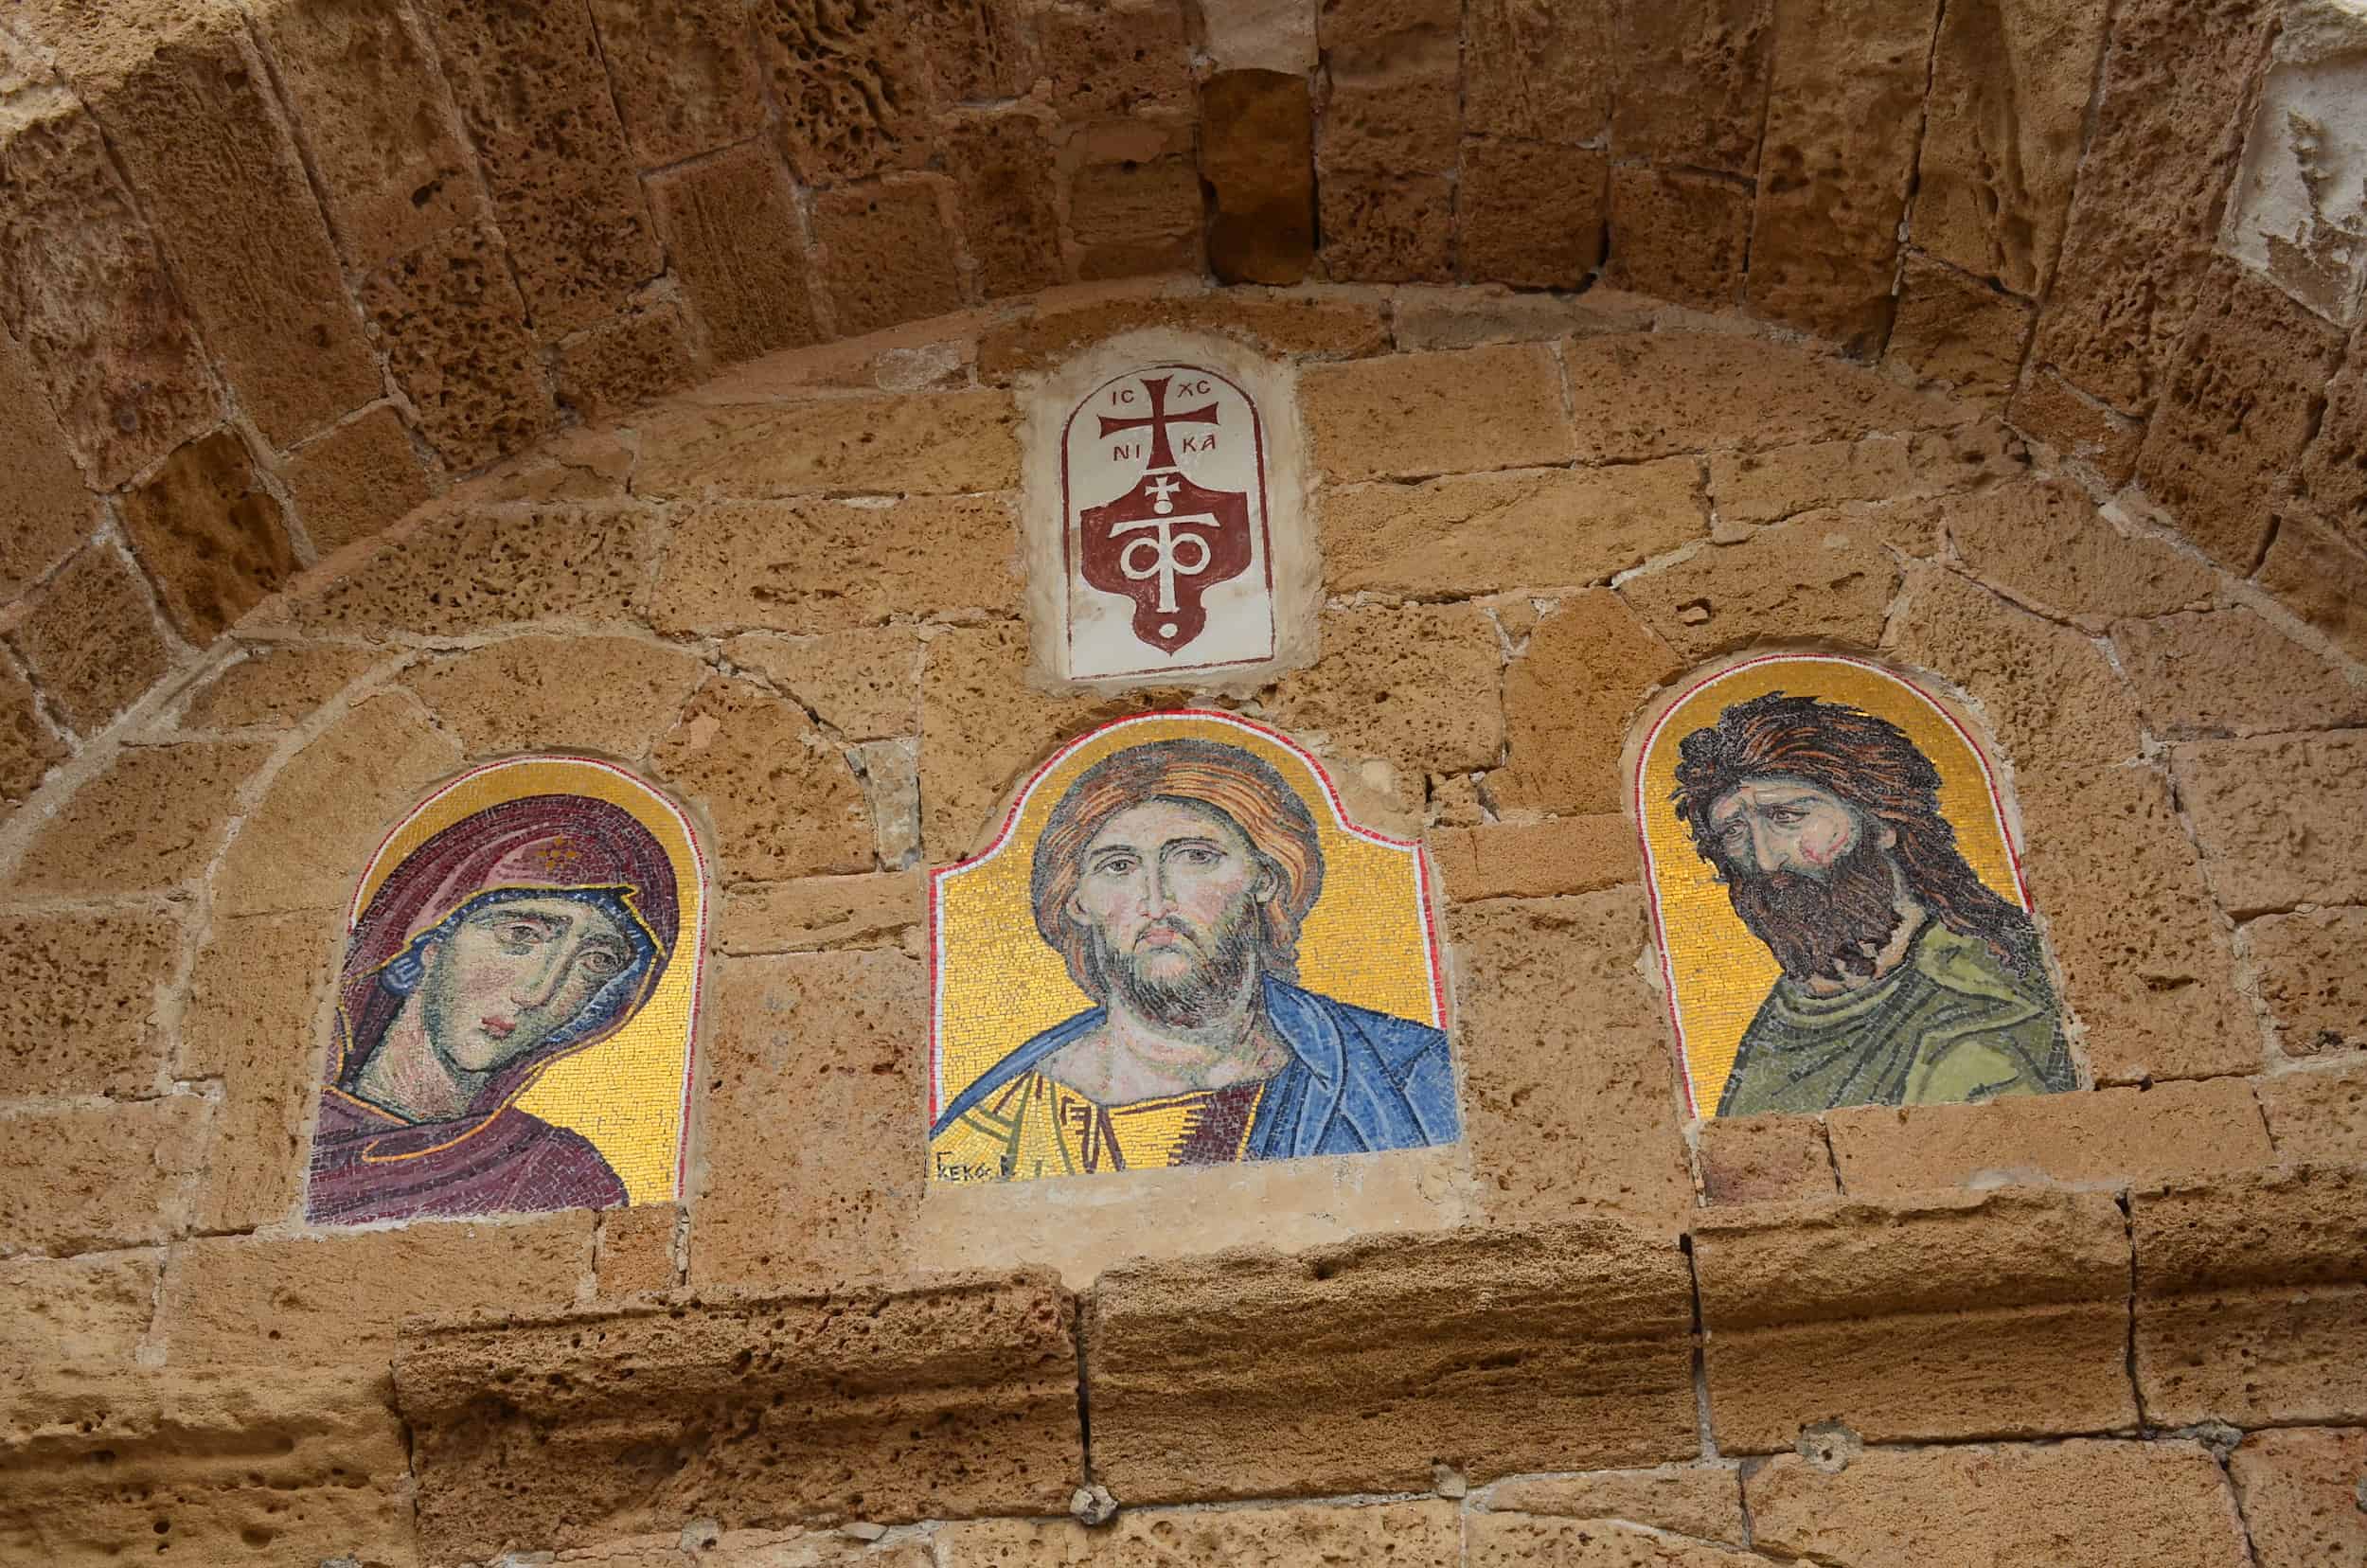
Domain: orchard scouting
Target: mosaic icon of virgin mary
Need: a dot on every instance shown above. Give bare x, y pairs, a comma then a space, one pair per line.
522, 933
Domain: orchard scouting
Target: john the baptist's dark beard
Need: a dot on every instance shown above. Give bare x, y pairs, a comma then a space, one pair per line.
1821, 927
1182, 998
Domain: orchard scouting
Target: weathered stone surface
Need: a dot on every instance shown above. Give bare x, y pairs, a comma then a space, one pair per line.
1844, 101
2163, 1502
1111, 61
2050, 409
2308, 977
588, 463
1958, 329
1319, 323
301, 845
2238, 402
782, 796
1679, 234
1795, 579
27, 744
1134, 202
810, 1202
80, 1009
2334, 467
146, 825
824, 912
2010, 85
886, 252
612, 695
89, 635
353, 482
1506, 1540
453, 327
45, 510
684, 76
1257, 157
1412, 685
1002, 164
2300, 1494
76, 1311
1567, 1111
2231, 672
609, 370
637, 1249
2167, 127
211, 534
981, 727
947, 1400
1395, 83
275, 688
1770, 484
1446, 413
2046, 545
864, 683
2106, 1139
1385, 228
88, 1177
1695, 1499
1531, 214
2286, 219
1404, 1534
2251, 1292
811, 566
1582, 854
1537, 71
2274, 818
1568, 699
976, 50
1268, 35
252, 1022
1642, 396
2321, 578
2317, 1116
1765, 1159
850, 88
1693, 83
929, 443
732, 233
1564, 1347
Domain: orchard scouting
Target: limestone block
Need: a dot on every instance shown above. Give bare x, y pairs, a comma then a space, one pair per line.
976, 50
85, 1178
110, 342
2046, 545
1257, 157
303, 843
2166, 127
2273, 816
1770, 484
2321, 578
1639, 395
2050, 409
731, 231
1531, 213
148, 823
1507, 1540
2250, 1299
338, 1297
887, 253
44, 511
1417, 1534
686, 76
587, 463
1582, 854
1955, 328
1412, 414
2334, 466
1362, 1364
353, 482
609, 370
2010, 85
253, 1020
1806, 579
864, 683
2289, 215
376, 122
27, 744
2231, 672
80, 1009
1394, 79
1112, 61
1261, 35
982, 729
1317, 324
1568, 700
1134, 201
1703, 1500
1568, 1110
2309, 980
827, 1194
1679, 235
211, 535
2300, 1493
76, 1311
2106, 1139
1765, 1159
1998, 1313
827, 565
275, 688
1537, 71
2317, 1116
2156, 1503
849, 86
872, 910
90, 637
453, 327
1001, 163
1415, 687
933, 443
570, 211
1691, 90
782, 796
947, 1400
2237, 405
1385, 227
610, 695
637, 1249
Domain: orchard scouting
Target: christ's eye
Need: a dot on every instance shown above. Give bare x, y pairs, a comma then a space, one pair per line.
1198, 855
1119, 865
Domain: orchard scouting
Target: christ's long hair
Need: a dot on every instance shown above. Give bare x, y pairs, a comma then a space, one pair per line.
1236, 784
1867, 762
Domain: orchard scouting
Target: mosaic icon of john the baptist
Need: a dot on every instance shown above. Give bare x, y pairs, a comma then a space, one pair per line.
1906, 980
1173, 880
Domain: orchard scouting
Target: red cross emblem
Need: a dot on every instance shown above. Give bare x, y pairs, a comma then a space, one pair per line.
1168, 540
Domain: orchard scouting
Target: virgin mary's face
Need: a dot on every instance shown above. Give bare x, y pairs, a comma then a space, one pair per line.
512, 974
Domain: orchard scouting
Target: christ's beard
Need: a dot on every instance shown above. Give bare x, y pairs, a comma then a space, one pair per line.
1187, 997
1826, 927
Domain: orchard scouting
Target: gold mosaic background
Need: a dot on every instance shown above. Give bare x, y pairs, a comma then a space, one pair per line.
1718, 973
626, 1092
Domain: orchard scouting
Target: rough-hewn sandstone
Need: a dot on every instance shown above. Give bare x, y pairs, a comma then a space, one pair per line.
1422, 414
251, 1021
67, 1186
2271, 815
2300, 1492
90, 637
871, 910
862, 446
81, 1011
210, 533
1810, 577
2317, 1116
1582, 854
355, 480
2046, 543
1765, 1159
864, 681
784, 798
1679, 234
453, 327
1405, 1535
732, 233
1638, 396
2302, 963
610, 695
145, 825
2231, 672
1568, 701
1415, 687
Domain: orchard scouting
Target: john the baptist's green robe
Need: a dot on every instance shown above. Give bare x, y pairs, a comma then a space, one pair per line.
1953, 1023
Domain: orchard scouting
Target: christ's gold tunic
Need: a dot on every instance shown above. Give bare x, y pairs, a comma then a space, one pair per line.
1038, 1126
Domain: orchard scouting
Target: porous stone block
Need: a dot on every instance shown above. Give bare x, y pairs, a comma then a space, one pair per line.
609, 695
2239, 401
731, 231
2003, 123
1531, 214
1257, 157
587, 463
76, 1311
947, 1400
275, 688
955, 442
1537, 71
1536, 860
635, 1251
27, 744
1844, 104
1639, 395
886, 252
2273, 818
1416, 1534
2048, 408
1700, 1500
1692, 87
44, 511
1267, 35
353, 482
2251, 1294
2317, 1116
811, 566
453, 327
1556, 1348
2104, 1138
1414, 687
1569, 1110
684, 75
211, 536
976, 50
784, 800
252, 1021
2321, 579
2228, 671
2305, 967
850, 87
1678, 234
1385, 227
2300, 1494
2334, 466
85, 1178
1568, 699
609, 370
2161, 1503
1956, 328
1394, 72
1315, 324
1443, 413
1113, 60
1134, 201
147, 824
2044, 543
81, 1011
1804, 578
1772, 484
90, 637
873, 910
864, 683
1765, 1159
982, 728
829, 1196
1001, 163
